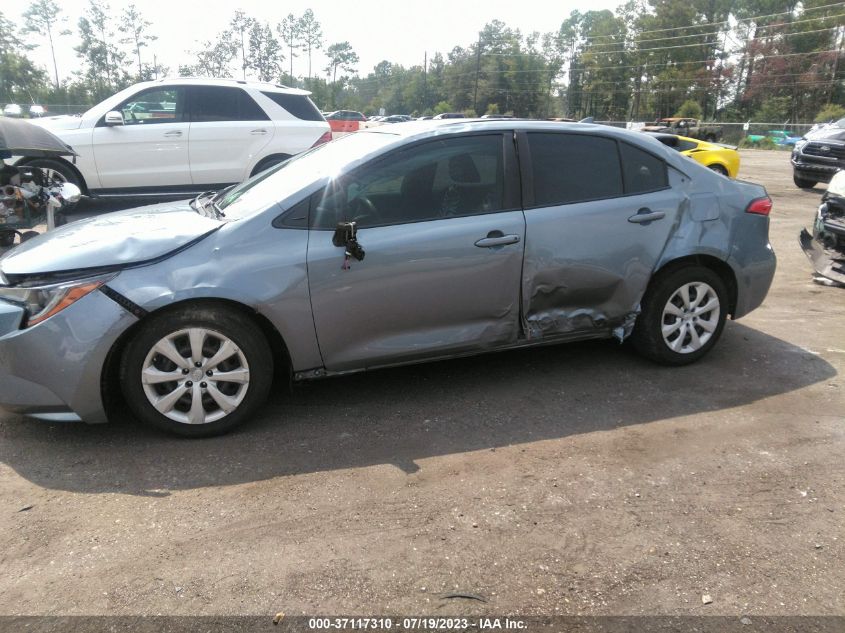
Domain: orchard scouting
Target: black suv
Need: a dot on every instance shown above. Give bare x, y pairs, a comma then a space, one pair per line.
819, 155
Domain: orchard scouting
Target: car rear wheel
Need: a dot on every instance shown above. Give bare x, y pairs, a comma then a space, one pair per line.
803, 183
683, 314
719, 170
197, 371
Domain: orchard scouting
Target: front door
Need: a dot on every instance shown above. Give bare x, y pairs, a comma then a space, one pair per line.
443, 237
151, 148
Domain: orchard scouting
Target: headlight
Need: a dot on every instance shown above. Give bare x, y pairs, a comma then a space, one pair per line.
800, 143
42, 302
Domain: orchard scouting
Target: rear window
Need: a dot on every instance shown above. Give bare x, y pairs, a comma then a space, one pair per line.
299, 106
573, 168
643, 171
218, 103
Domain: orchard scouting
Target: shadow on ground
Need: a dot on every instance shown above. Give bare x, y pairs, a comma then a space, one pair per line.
401, 415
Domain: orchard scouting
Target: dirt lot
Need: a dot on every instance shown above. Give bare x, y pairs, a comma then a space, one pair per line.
577, 479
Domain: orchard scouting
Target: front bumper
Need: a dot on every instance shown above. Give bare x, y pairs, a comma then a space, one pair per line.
825, 248
813, 171
53, 370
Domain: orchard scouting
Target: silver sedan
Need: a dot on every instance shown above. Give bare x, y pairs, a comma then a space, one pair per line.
394, 245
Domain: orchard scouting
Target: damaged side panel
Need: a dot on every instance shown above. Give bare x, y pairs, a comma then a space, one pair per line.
825, 248
588, 264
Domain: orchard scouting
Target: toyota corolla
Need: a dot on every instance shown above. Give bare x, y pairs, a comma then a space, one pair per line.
394, 245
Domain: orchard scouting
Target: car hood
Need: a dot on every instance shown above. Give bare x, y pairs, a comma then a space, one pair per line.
112, 240
60, 122
826, 133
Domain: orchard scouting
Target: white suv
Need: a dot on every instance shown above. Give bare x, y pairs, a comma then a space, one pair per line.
183, 136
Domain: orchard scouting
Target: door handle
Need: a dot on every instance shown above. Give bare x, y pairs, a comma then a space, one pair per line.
496, 238
173, 133
645, 215
259, 132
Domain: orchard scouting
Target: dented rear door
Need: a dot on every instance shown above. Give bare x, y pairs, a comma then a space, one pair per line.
598, 215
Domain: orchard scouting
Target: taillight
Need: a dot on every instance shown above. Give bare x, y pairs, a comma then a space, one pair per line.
760, 206
325, 138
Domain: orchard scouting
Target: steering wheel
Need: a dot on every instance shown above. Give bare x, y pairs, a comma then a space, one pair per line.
364, 211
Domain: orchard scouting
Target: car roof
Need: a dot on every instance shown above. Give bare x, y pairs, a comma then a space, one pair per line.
420, 130
243, 83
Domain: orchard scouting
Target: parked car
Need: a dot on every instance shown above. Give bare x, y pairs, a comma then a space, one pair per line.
389, 246
722, 159
345, 120
180, 136
779, 137
819, 155
825, 246
450, 115
12, 110
691, 128
396, 118
36, 111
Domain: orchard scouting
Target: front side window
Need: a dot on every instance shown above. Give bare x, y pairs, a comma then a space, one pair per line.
160, 105
219, 103
434, 180
569, 168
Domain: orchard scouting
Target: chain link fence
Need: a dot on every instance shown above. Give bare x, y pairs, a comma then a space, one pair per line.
782, 135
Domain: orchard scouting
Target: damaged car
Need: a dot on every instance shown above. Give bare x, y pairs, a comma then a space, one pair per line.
825, 248
398, 244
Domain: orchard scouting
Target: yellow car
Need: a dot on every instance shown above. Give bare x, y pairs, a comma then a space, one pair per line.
720, 158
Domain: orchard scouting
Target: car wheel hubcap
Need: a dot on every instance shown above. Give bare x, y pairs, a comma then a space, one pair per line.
195, 376
690, 317
53, 176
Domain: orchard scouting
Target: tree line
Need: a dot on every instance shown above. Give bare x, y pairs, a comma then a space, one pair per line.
766, 60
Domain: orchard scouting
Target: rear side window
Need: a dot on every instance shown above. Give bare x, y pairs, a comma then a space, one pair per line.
643, 171
571, 168
219, 103
299, 106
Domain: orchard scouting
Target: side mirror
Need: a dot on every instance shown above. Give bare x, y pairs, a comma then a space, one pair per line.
114, 118
70, 192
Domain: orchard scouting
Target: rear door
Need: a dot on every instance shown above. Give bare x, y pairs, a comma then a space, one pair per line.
598, 215
151, 148
443, 233
228, 131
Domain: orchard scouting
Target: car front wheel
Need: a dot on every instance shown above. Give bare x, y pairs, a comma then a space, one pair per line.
803, 183
683, 314
197, 371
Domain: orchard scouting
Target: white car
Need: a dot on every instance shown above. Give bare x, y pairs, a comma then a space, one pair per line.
183, 136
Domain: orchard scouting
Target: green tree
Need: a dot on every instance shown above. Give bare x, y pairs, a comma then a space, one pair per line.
239, 26
43, 17
135, 26
690, 109
288, 30
831, 112
18, 75
265, 52
311, 34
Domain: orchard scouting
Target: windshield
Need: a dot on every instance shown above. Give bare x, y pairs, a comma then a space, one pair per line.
282, 180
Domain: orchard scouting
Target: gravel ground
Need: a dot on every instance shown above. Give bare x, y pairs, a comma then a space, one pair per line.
576, 479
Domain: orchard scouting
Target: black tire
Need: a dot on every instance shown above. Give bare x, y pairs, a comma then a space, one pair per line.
803, 183
28, 235
647, 337
267, 163
719, 170
7, 238
62, 172
220, 320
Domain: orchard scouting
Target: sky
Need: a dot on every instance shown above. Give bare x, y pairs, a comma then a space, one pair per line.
401, 32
